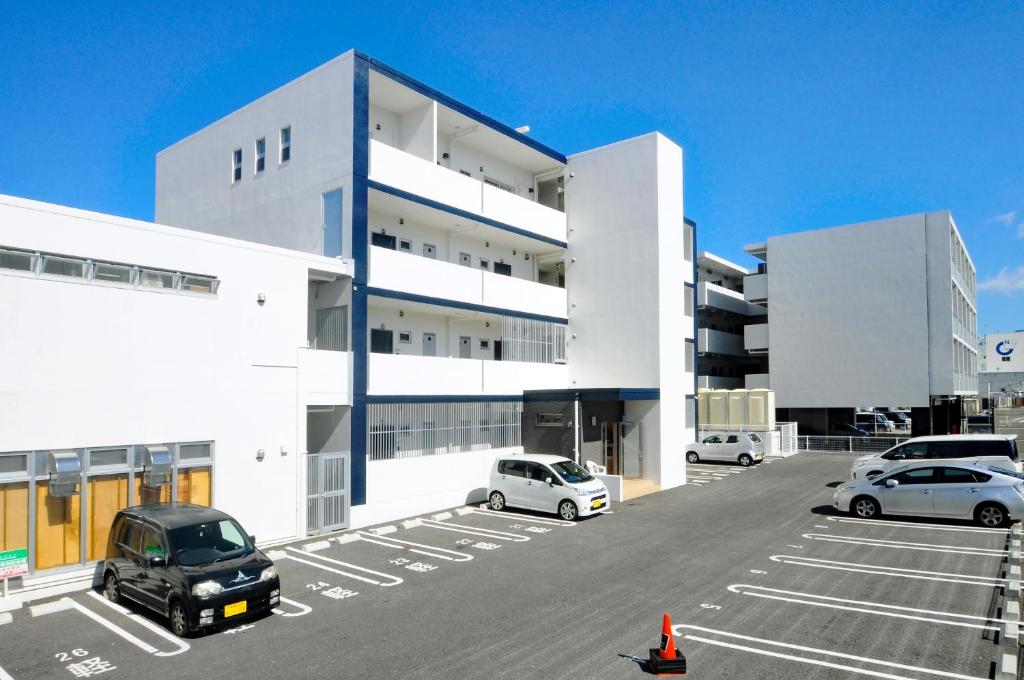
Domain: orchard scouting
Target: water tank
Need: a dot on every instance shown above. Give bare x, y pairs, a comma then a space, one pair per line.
718, 409
738, 407
761, 409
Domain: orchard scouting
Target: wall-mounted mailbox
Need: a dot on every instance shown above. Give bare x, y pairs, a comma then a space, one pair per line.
156, 465
65, 470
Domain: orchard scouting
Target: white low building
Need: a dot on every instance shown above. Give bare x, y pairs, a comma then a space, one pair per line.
368, 292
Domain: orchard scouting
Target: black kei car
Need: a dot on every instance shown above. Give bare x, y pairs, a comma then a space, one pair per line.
193, 564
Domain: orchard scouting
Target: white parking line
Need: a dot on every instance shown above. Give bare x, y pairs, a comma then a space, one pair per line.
915, 525
726, 469
968, 579
394, 580
528, 518
4, 675
429, 550
145, 623
678, 630
697, 481
303, 609
66, 603
903, 545
486, 533
970, 621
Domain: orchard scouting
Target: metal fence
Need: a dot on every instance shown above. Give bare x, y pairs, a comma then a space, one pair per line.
532, 340
787, 437
331, 329
412, 430
327, 497
848, 444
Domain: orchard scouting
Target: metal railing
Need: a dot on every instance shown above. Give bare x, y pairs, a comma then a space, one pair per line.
412, 430
822, 444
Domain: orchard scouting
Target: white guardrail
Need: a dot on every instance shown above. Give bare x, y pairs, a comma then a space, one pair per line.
848, 444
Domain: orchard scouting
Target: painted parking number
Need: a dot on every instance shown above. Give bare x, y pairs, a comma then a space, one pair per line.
710, 606
86, 668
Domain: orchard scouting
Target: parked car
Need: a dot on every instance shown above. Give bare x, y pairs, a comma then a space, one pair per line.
899, 419
873, 422
548, 484
745, 448
979, 423
936, 489
193, 564
998, 450
848, 430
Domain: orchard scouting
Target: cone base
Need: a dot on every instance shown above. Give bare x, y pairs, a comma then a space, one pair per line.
676, 666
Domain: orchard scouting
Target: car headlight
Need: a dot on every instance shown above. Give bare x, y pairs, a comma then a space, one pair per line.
207, 589
268, 573
583, 492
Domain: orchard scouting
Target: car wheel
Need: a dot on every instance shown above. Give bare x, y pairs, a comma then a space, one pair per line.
179, 619
991, 515
567, 511
865, 507
745, 460
111, 588
497, 501
692, 457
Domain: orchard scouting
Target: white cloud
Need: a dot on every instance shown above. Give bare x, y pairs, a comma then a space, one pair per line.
1007, 281
1006, 219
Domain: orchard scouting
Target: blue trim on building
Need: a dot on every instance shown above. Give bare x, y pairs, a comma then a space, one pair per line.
595, 394
687, 284
465, 110
441, 302
465, 214
438, 398
696, 345
360, 253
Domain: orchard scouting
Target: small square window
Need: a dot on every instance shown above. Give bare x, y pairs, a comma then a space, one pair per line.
286, 144
261, 154
149, 278
405, 337
405, 244
236, 166
485, 264
549, 420
485, 344
199, 284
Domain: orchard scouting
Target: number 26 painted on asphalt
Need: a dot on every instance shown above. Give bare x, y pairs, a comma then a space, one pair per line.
64, 656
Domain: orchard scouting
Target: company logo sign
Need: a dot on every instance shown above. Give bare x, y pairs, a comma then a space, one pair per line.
1005, 348
241, 578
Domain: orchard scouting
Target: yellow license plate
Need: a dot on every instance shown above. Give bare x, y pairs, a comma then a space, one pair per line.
596, 504
234, 609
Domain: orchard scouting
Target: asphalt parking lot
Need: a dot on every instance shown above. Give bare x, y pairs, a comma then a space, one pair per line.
762, 581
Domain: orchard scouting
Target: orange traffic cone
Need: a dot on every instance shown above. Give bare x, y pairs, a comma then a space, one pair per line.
667, 660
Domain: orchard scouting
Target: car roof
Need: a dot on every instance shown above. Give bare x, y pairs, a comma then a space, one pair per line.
963, 438
545, 458
950, 462
174, 515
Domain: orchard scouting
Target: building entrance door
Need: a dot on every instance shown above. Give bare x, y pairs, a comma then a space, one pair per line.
327, 498
623, 453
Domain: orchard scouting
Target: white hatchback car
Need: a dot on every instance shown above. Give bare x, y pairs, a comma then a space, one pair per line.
745, 448
546, 483
991, 449
936, 489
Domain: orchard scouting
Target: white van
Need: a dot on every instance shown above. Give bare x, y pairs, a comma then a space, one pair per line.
999, 450
546, 483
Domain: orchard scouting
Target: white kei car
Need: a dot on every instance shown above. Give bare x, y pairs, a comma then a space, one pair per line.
745, 448
954, 490
546, 483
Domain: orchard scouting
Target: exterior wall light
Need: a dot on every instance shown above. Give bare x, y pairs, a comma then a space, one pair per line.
261, 299
260, 454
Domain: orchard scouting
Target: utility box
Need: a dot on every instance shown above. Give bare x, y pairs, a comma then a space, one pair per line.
65, 468
157, 464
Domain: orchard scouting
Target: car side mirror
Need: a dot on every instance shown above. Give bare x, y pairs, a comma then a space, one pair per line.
892, 483
548, 481
155, 561
252, 537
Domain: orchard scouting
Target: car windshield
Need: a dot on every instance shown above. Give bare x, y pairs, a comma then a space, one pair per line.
754, 438
571, 472
209, 542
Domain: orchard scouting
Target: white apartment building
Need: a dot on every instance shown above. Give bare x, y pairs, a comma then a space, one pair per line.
723, 312
879, 313
366, 291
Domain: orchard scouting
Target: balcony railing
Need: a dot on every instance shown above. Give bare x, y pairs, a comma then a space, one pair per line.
719, 297
415, 175
755, 337
755, 287
418, 275
720, 342
417, 375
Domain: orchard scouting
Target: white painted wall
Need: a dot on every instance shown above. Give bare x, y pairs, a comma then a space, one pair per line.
409, 374
281, 206
87, 364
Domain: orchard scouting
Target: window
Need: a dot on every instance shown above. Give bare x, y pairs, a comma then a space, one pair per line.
199, 284
405, 337
63, 266
713, 439
236, 166
537, 472
194, 452
112, 273
961, 476
286, 144
132, 535
331, 208
151, 278
405, 244
98, 458
382, 240
151, 546
916, 451
503, 269
513, 468
17, 260
754, 438
485, 264
732, 439
485, 344
13, 465
261, 154
915, 476
549, 420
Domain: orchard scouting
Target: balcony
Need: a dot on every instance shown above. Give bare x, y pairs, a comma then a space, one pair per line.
423, 178
719, 342
718, 297
324, 377
715, 382
755, 338
403, 272
416, 375
755, 288
757, 381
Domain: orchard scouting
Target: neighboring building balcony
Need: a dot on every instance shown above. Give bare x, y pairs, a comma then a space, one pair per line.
407, 273
408, 374
715, 382
755, 338
719, 342
757, 381
719, 297
412, 174
755, 288
324, 377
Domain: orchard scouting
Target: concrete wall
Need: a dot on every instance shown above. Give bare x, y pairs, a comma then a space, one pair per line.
281, 206
89, 364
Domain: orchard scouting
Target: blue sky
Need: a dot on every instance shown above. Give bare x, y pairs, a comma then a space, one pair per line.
792, 115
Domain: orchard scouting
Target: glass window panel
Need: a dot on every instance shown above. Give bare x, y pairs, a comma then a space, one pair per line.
14, 516
62, 266
113, 273
199, 284
155, 279
193, 451
58, 528
13, 464
108, 457
107, 495
12, 259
